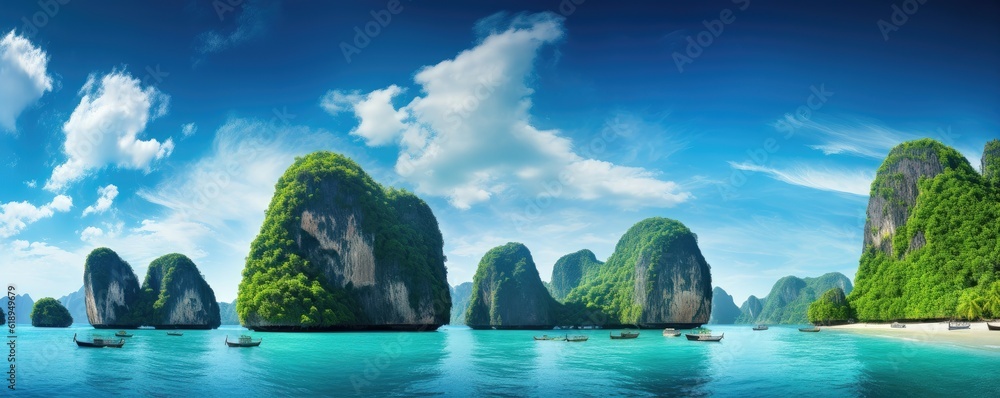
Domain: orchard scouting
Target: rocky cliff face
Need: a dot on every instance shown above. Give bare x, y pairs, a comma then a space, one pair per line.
227, 314
507, 292
750, 310
112, 291
990, 163
724, 310
570, 270
657, 278
894, 190
789, 299
353, 255
76, 303
177, 295
460, 296
932, 249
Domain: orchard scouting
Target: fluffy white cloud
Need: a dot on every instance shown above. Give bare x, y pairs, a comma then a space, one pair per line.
41, 269
380, 123
15, 216
189, 129
108, 195
91, 234
857, 182
469, 136
23, 77
105, 126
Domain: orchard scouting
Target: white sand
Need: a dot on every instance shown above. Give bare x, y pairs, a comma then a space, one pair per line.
977, 336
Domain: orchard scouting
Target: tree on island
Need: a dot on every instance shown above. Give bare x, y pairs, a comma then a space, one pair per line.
831, 307
50, 313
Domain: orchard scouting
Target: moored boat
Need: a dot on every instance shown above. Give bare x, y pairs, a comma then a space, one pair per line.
175, 333
122, 333
813, 329
991, 326
760, 327
576, 339
547, 337
670, 332
704, 335
244, 341
952, 325
897, 325
624, 335
99, 342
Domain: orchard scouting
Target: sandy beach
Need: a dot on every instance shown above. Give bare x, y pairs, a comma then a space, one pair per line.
977, 336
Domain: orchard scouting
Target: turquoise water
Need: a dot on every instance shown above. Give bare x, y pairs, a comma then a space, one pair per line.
457, 361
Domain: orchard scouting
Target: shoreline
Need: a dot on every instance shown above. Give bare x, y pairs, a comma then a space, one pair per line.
978, 336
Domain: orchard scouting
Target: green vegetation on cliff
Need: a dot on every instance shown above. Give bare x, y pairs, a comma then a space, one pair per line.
168, 280
570, 270
990, 162
831, 307
49, 312
790, 297
281, 286
507, 291
945, 253
460, 296
657, 245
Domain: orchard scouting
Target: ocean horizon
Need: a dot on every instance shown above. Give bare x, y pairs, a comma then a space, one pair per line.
458, 361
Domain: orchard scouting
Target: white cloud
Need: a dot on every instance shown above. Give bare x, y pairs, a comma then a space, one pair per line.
15, 216
105, 126
380, 123
23, 77
108, 195
91, 234
41, 269
31, 183
189, 129
857, 182
212, 209
469, 137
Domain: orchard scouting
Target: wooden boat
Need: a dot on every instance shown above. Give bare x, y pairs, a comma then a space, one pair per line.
897, 325
624, 335
760, 327
122, 333
670, 332
992, 326
99, 342
704, 337
244, 341
175, 333
576, 339
813, 329
547, 338
957, 325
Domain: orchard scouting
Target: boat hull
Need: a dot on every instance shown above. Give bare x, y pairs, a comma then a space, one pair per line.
809, 330
992, 327
700, 337
236, 344
88, 344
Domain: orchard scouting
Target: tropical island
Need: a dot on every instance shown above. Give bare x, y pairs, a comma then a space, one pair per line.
49, 313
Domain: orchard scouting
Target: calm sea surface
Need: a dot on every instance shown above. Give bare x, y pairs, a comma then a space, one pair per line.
457, 361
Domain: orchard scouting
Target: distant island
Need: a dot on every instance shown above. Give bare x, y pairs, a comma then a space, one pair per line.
49, 313
789, 299
173, 296
656, 278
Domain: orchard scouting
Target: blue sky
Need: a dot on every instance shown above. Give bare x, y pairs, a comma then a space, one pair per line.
162, 127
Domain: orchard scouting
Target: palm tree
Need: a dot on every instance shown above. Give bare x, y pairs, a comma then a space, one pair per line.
970, 306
